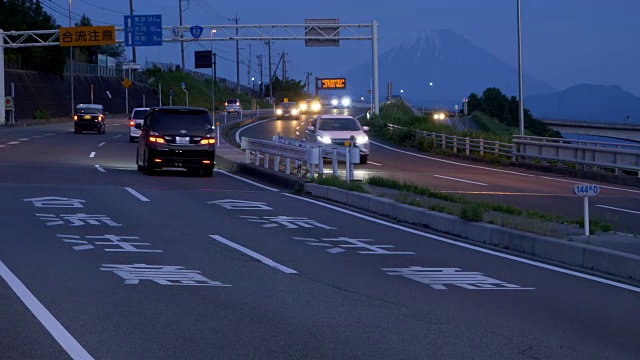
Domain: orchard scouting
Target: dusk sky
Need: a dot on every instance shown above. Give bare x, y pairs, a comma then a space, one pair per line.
564, 42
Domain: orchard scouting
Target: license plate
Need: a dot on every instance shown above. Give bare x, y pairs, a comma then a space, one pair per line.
87, 117
182, 140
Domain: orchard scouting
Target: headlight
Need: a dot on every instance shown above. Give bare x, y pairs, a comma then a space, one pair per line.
441, 116
303, 106
362, 139
315, 106
346, 101
324, 139
279, 111
334, 102
294, 111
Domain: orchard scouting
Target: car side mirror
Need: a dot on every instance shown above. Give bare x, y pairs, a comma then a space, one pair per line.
365, 128
138, 126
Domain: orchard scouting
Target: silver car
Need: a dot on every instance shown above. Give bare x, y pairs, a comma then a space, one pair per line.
336, 129
232, 106
136, 117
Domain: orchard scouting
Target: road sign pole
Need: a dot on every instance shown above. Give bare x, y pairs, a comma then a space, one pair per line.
126, 100
160, 92
2, 95
586, 216
374, 47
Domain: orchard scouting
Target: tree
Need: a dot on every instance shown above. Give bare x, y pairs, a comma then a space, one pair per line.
89, 54
290, 88
495, 104
25, 15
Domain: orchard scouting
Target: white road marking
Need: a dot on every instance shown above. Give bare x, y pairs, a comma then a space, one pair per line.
48, 134
1, 146
467, 181
24, 139
586, 181
254, 255
100, 168
136, 194
37, 137
62, 336
247, 180
468, 246
93, 153
13, 143
451, 162
102, 143
248, 126
372, 163
117, 136
618, 209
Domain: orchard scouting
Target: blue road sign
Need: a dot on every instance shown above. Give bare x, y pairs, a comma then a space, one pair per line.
196, 31
143, 30
171, 92
182, 85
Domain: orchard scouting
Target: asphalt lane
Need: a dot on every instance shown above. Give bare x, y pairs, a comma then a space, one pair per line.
319, 283
530, 190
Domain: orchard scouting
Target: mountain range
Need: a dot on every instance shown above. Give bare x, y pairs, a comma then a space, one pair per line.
587, 102
440, 68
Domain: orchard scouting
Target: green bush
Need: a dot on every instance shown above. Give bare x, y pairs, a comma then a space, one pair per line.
339, 183
472, 212
40, 115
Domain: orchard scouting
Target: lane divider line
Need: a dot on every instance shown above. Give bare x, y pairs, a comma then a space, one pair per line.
1, 146
102, 143
472, 247
248, 126
13, 143
93, 153
53, 326
582, 182
372, 163
456, 179
247, 180
24, 139
136, 194
618, 209
265, 260
117, 136
100, 168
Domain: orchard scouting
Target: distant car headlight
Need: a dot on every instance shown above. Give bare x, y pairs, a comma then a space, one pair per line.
346, 101
362, 139
324, 139
334, 102
315, 106
279, 111
442, 116
294, 111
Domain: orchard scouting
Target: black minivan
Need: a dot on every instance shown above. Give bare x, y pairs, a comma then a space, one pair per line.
177, 137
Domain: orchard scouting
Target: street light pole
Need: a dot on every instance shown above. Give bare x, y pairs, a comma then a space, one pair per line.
213, 80
520, 87
71, 67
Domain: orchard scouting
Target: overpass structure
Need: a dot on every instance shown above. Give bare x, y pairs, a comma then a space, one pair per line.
630, 132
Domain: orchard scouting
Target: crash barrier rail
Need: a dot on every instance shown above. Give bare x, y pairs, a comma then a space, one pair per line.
595, 154
464, 144
303, 153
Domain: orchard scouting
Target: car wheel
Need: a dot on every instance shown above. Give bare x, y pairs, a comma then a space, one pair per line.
146, 168
364, 159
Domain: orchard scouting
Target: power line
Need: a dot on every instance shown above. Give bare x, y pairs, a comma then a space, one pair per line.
103, 8
63, 11
207, 8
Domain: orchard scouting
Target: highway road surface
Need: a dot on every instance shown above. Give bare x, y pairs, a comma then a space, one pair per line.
99, 261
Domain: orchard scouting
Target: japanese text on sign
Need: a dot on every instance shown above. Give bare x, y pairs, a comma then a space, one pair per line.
332, 83
87, 35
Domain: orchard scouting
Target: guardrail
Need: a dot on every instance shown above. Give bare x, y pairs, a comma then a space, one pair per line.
596, 154
301, 152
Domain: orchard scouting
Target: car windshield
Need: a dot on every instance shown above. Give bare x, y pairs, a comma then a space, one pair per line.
88, 110
139, 114
176, 120
232, 102
288, 105
339, 124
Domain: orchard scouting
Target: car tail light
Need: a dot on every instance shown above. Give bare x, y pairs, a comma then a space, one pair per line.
132, 123
206, 161
156, 139
206, 141
75, 117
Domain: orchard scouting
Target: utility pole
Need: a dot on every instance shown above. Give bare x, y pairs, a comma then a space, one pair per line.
237, 58
270, 73
307, 81
133, 48
181, 42
73, 105
249, 68
261, 83
284, 70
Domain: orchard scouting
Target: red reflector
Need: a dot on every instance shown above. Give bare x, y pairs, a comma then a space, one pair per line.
206, 162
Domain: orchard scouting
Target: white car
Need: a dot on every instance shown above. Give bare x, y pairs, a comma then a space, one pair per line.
136, 117
336, 129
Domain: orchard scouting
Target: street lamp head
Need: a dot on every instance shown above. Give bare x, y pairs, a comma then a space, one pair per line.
430, 84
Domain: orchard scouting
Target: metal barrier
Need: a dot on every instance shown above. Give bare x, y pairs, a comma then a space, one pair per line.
597, 154
301, 152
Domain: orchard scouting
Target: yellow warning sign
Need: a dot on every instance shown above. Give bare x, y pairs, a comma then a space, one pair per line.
87, 35
126, 82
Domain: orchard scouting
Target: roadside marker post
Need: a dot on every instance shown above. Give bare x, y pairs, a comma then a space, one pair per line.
218, 136
586, 190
